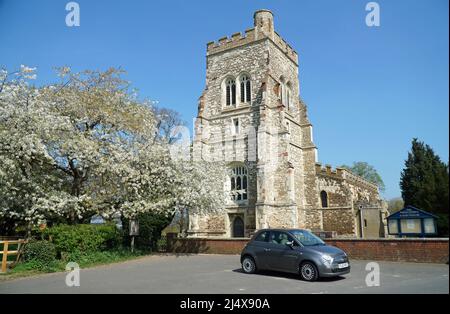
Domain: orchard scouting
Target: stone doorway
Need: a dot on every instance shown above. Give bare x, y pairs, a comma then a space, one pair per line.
238, 227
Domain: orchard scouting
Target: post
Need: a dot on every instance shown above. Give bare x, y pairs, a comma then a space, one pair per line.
134, 231
5, 256
361, 221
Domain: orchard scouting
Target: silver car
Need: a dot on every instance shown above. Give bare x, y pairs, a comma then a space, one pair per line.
294, 251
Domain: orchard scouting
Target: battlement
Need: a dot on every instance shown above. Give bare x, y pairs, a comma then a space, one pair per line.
285, 47
263, 29
236, 40
344, 174
328, 170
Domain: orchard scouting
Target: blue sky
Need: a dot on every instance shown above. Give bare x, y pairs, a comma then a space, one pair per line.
369, 90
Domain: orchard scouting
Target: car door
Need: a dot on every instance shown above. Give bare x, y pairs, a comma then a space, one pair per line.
260, 249
282, 257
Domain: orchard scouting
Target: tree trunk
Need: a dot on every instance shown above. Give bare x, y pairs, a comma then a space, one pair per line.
29, 230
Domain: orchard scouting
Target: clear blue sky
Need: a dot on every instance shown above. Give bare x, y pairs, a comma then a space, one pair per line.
369, 90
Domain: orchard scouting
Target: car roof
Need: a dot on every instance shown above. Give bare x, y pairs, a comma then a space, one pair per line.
285, 230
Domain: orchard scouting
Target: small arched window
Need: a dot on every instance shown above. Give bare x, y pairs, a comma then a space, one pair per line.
245, 89
324, 199
288, 96
231, 92
285, 91
281, 90
238, 177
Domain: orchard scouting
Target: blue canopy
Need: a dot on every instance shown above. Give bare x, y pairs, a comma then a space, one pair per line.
410, 212
411, 221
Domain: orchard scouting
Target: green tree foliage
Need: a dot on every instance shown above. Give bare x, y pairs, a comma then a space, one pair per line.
424, 183
395, 204
366, 171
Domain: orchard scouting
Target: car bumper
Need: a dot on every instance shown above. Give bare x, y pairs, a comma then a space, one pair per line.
333, 271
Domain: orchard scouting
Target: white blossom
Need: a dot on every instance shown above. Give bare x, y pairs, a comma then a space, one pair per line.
87, 145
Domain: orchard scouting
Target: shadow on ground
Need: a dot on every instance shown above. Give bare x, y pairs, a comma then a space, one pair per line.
269, 273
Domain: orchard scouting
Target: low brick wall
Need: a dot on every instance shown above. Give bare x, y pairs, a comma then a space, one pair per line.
398, 250
205, 245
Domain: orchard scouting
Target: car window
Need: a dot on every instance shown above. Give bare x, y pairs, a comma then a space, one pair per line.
281, 238
263, 237
307, 238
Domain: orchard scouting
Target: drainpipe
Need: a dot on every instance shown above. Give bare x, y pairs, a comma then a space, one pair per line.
361, 221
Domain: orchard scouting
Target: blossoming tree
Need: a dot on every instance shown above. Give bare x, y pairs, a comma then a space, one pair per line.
88, 145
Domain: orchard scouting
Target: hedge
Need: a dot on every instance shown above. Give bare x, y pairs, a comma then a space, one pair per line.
42, 254
83, 238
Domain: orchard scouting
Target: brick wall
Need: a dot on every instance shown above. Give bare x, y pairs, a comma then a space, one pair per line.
205, 245
399, 250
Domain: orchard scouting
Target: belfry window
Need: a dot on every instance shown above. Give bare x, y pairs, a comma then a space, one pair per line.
245, 89
231, 92
238, 177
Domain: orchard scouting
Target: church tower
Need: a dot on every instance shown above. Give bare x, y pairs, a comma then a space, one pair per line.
250, 115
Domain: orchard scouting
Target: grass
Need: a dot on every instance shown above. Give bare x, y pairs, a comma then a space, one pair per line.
32, 268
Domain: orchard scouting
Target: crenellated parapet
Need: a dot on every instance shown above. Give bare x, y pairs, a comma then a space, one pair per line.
226, 43
359, 181
328, 171
263, 29
286, 48
344, 174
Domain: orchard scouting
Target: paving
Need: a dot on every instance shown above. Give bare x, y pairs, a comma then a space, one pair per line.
210, 274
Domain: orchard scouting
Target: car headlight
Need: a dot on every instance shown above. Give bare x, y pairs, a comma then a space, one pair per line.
327, 260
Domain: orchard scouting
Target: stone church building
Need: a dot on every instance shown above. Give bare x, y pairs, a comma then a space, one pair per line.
251, 115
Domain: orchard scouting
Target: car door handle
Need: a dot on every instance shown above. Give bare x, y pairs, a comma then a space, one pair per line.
267, 250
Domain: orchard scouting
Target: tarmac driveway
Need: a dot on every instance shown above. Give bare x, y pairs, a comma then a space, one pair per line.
207, 274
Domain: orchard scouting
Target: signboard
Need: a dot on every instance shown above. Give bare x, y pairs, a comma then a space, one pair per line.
410, 213
134, 227
411, 221
97, 220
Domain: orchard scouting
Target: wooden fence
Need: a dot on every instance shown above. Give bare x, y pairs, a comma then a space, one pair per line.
5, 252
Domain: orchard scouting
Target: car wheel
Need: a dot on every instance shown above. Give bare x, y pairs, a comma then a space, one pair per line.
309, 271
248, 265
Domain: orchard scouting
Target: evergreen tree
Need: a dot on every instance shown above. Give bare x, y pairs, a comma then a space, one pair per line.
425, 183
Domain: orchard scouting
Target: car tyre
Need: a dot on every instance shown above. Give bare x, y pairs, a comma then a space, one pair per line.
309, 272
248, 265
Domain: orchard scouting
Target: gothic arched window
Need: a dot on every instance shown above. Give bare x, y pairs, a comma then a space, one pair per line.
288, 96
324, 199
245, 89
285, 93
238, 177
231, 92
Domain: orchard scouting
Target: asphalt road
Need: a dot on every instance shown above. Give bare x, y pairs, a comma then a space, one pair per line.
207, 274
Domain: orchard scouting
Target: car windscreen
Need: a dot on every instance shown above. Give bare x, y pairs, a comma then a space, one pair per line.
307, 238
